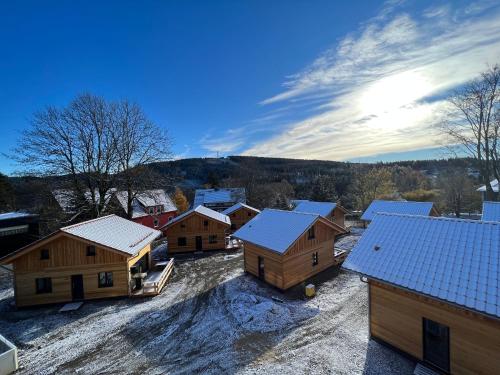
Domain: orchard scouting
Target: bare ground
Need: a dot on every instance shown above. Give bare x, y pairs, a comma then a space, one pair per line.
211, 318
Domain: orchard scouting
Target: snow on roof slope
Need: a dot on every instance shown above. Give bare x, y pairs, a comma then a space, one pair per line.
491, 211
276, 230
454, 260
397, 207
313, 207
147, 198
225, 195
15, 215
494, 186
114, 232
203, 211
237, 206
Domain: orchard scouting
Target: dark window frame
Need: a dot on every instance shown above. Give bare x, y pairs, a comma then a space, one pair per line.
205, 223
43, 285
156, 222
181, 241
91, 251
212, 238
44, 254
108, 279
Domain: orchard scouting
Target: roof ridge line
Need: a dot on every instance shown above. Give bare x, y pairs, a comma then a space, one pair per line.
88, 221
438, 218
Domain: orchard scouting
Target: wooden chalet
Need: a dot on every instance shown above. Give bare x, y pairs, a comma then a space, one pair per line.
199, 229
105, 257
329, 210
434, 289
399, 207
284, 248
240, 214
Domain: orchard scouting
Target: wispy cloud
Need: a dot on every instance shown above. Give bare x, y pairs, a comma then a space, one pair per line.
380, 89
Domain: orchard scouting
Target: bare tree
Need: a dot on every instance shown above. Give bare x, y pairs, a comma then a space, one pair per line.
75, 141
98, 145
139, 143
474, 123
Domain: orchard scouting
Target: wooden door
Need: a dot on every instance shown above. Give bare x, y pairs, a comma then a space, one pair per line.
77, 287
262, 274
199, 243
437, 344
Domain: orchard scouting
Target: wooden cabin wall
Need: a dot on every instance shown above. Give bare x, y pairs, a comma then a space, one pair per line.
240, 217
68, 256
297, 261
194, 227
273, 264
338, 217
396, 318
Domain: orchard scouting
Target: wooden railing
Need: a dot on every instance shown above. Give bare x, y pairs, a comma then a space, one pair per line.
339, 256
153, 288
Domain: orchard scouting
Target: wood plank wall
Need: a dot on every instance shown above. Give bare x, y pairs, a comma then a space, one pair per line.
396, 318
68, 256
240, 217
193, 226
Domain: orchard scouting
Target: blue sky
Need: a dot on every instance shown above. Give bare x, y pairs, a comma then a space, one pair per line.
353, 80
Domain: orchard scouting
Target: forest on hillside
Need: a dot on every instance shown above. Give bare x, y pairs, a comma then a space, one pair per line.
273, 182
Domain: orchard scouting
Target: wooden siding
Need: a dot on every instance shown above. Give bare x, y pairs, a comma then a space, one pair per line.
240, 217
193, 227
296, 265
396, 318
338, 217
67, 257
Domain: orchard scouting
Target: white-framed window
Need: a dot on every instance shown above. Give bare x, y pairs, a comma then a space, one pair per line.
156, 222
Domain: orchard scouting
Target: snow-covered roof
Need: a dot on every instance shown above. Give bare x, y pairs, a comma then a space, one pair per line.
237, 206
397, 207
203, 211
223, 195
494, 186
320, 208
146, 199
66, 198
276, 230
491, 211
114, 232
15, 215
454, 260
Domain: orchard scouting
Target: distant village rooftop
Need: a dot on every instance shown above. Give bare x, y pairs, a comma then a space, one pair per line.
399, 207
453, 260
222, 195
491, 211
320, 208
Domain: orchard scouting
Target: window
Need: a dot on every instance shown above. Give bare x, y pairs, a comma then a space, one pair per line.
91, 251
205, 223
183, 225
212, 238
44, 254
160, 209
156, 223
233, 226
310, 233
151, 210
43, 285
315, 258
249, 214
170, 218
105, 279
181, 241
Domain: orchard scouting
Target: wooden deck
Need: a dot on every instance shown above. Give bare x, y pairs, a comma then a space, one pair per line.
155, 280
